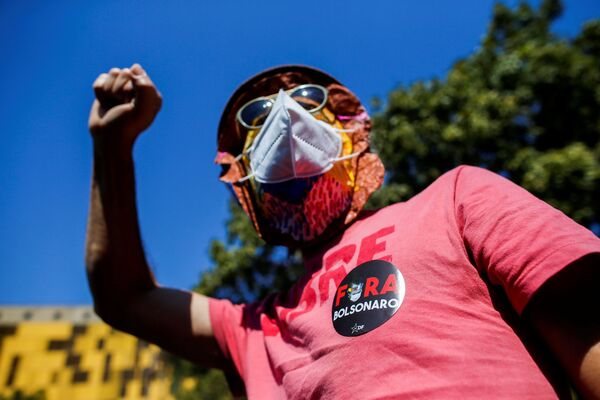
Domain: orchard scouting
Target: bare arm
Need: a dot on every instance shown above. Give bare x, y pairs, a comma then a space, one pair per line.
566, 313
125, 292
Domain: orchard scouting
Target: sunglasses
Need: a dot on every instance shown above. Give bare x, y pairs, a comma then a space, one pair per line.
253, 114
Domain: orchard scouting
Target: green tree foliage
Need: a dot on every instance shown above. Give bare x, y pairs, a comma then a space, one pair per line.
525, 104
206, 384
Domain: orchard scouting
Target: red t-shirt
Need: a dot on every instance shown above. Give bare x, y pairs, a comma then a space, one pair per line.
470, 252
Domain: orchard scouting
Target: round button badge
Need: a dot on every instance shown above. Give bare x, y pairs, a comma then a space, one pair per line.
367, 297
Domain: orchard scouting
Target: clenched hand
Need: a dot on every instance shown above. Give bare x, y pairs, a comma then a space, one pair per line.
126, 104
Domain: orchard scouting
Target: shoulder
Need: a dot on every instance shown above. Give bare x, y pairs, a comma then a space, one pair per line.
463, 179
472, 175
473, 183
466, 176
462, 183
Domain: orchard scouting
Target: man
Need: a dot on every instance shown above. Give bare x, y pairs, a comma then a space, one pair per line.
453, 294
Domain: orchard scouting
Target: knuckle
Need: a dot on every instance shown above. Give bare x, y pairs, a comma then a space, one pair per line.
145, 84
99, 89
107, 84
99, 80
114, 71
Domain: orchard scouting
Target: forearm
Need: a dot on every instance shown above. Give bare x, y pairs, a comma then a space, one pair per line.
589, 371
578, 354
116, 264
565, 313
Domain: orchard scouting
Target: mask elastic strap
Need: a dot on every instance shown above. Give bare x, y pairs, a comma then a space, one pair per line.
346, 130
238, 158
360, 117
347, 157
245, 178
243, 153
327, 126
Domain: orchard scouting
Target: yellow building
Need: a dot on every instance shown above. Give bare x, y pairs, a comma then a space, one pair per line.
68, 353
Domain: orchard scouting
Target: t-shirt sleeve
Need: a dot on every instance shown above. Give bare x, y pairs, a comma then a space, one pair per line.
515, 239
230, 332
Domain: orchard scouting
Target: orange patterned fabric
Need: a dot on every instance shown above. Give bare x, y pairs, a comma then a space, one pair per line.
334, 199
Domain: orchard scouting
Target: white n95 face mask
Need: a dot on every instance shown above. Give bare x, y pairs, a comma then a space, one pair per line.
293, 144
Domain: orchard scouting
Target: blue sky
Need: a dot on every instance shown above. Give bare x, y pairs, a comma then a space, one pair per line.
197, 53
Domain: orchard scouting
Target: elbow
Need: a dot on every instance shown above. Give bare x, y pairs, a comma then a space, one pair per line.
107, 306
107, 314
115, 287
109, 299
120, 319
113, 313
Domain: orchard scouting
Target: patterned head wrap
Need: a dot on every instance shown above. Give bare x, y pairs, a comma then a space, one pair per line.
301, 212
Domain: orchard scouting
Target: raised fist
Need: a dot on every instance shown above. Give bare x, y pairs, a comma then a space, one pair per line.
126, 103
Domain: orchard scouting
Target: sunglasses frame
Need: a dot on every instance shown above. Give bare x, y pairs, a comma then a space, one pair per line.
238, 115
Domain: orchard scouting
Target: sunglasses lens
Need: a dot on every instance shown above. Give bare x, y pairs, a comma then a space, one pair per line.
255, 113
309, 97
